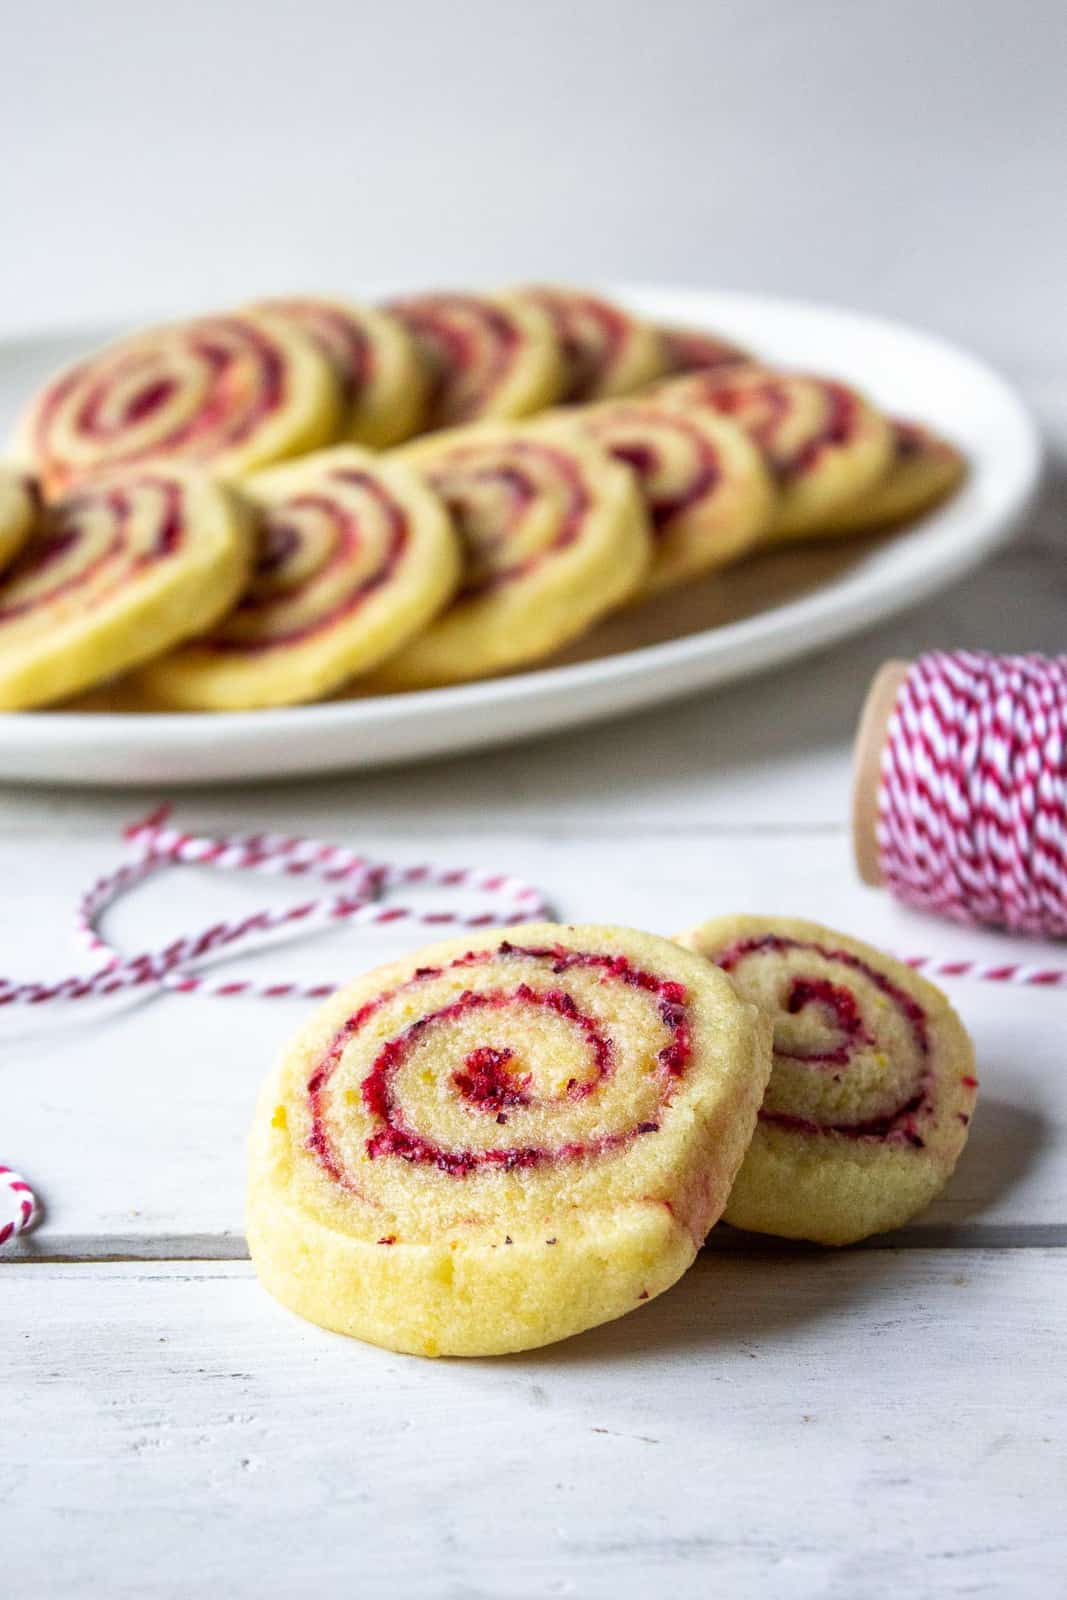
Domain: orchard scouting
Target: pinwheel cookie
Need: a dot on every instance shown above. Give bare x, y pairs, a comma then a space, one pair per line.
495, 1144
924, 470
824, 444
483, 355
607, 351
555, 535
374, 360
355, 556
121, 569
20, 506
872, 1089
709, 495
231, 393
694, 350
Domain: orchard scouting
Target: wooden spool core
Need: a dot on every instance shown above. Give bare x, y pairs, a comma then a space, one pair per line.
867, 765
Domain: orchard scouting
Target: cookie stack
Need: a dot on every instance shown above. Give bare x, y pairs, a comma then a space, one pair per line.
235, 511
492, 1145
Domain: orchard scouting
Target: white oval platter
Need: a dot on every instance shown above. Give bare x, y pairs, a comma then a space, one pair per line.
761, 614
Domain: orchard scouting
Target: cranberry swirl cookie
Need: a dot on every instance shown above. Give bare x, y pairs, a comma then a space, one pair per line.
555, 535
121, 569
354, 557
873, 1085
695, 350
484, 356
495, 1144
20, 509
374, 360
824, 444
607, 351
708, 493
230, 393
924, 470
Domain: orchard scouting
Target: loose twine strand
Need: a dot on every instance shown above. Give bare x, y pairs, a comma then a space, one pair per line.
359, 884
972, 825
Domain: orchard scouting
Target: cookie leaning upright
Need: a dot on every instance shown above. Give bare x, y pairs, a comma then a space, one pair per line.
482, 355
228, 393
354, 555
607, 350
709, 496
121, 569
924, 470
503, 1139
696, 350
382, 382
555, 535
824, 443
873, 1084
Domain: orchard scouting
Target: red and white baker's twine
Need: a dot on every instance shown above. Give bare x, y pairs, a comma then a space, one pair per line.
972, 824
972, 812
359, 886
18, 1205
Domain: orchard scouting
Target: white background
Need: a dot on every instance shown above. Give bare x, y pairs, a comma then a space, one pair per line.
904, 157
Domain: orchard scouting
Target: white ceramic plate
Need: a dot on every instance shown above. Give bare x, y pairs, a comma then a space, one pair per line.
762, 613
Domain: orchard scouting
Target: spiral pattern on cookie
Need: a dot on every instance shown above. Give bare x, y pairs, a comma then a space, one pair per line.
96, 542
554, 534
373, 359
495, 1143
353, 556
852, 1049
518, 501
708, 493
227, 392
121, 569
694, 350
925, 469
872, 1087
823, 443
20, 511
532, 1075
321, 554
607, 351
483, 355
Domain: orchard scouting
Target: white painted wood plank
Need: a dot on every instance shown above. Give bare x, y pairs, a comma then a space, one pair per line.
840, 1427
774, 751
133, 1123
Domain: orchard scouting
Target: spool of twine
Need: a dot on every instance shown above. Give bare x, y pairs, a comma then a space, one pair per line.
960, 788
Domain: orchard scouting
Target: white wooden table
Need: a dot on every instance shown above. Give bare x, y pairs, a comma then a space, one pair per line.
882, 1420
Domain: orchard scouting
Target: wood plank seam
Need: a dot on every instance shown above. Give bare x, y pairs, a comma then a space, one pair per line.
77, 1248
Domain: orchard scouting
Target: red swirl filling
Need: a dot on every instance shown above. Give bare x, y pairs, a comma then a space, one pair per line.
646, 461
689, 350
281, 541
911, 439
908, 440
844, 1014
66, 532
592, 336
840, 1005
837, 427
457, 335
487, 1081
227, 417
342, 339
458, 481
